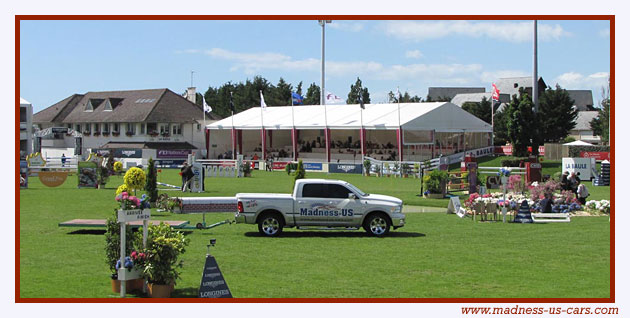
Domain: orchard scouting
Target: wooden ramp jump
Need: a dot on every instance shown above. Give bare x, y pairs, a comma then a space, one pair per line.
101, 223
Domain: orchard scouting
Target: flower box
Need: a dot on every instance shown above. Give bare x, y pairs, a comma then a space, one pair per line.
96, 133
115, 133
129, 133
86, 133
105, 133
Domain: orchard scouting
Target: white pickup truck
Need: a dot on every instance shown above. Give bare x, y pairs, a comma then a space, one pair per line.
320, 203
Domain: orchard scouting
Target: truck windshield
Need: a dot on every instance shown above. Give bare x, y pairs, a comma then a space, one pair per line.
357, 190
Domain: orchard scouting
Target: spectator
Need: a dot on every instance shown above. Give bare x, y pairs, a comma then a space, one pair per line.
545, 204
63, 159
564, 182
582, 192
574, 180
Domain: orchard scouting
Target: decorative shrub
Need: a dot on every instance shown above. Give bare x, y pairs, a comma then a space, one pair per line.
112, 242
151, 185
515, 183
514, 162
367, 164
164, 247
122, 188
434, 180
135, 178
290, 167
300, 173
246, 168
118, 166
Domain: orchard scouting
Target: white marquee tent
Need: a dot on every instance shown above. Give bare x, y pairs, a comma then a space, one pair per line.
428, 128
441, 117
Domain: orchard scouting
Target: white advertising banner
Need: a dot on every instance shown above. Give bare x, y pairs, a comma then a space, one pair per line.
585, 166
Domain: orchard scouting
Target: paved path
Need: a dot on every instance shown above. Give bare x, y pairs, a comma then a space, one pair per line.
418, 209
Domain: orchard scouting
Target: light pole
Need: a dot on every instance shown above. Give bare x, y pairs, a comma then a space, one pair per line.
322, 98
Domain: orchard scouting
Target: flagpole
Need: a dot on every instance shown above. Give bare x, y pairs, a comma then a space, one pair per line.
233, 131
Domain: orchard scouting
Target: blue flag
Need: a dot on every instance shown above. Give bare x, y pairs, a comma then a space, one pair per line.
296, 99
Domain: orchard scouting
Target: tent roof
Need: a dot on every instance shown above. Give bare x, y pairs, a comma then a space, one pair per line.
24, 101
440, 116
578, 143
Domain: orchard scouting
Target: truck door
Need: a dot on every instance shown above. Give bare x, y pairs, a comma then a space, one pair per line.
324, 204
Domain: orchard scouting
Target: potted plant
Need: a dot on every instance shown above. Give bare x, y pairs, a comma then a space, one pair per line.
112, 250
367, 164
96, 133
416, 169
118, 167
129, 133
135, 179
246, 168
153, 133
106, 133
162, 263
115, 133
435, 184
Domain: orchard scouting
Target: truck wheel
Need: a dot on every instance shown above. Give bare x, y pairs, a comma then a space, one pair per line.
270, 225
377, 224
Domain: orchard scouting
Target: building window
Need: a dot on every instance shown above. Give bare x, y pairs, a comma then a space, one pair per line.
152, 129
106, 127
177, 129
198, 126
88, 128
69, 126
131, 129
164, 129
116, 128
77, 127
142, 128
97, 127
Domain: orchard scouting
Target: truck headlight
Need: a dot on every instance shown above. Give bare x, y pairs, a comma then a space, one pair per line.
396, 209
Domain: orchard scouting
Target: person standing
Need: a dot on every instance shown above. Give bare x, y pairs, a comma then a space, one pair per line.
582, 193
63, 159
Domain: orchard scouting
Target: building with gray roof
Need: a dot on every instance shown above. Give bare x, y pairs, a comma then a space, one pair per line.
149, 119
582, 129
447, 93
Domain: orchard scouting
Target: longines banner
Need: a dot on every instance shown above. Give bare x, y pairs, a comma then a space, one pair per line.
345, 168
121, 153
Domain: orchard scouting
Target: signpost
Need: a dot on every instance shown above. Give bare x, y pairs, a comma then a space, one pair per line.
125, 216
213, 284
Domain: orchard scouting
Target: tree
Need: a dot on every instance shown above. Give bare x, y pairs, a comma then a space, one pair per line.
281, 95
482, 109
298, 89
313, 94
521, 123
355, 90
556, 114
151, 185
500, 128
600, 124
405, 98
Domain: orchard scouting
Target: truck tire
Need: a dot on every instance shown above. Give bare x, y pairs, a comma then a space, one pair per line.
270, 224
377, 224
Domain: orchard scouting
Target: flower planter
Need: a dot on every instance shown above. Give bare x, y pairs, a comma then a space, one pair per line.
160, 291
116, 286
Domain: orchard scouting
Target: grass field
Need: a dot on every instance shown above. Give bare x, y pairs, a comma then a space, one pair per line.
434, 255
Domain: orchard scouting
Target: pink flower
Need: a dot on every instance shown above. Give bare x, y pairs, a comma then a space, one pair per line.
141, 255
124, 195
134, 254
118, 197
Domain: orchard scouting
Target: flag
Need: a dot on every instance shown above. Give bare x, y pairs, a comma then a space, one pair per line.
206, 107
495, 93
185, 95
262, 100
398, 97
231, 103
332, 98
361, 101
296, 99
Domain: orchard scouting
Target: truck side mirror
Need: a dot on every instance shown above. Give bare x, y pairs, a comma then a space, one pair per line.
352, 196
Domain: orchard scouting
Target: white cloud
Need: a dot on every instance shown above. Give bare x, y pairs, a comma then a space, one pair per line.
252, 63
574, 80
604, 33
414, 54
493, 76
505, 31
346, 26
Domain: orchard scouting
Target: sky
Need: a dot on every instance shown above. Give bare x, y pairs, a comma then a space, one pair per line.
61, 58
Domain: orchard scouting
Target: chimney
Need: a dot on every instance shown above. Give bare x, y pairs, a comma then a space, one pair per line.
191, 94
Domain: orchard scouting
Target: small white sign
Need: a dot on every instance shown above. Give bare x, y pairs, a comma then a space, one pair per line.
133, 215
585, 166
454, 205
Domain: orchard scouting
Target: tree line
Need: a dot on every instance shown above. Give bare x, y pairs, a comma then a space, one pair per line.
246, 95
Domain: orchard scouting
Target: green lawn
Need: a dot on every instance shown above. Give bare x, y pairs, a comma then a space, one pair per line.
434, 255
